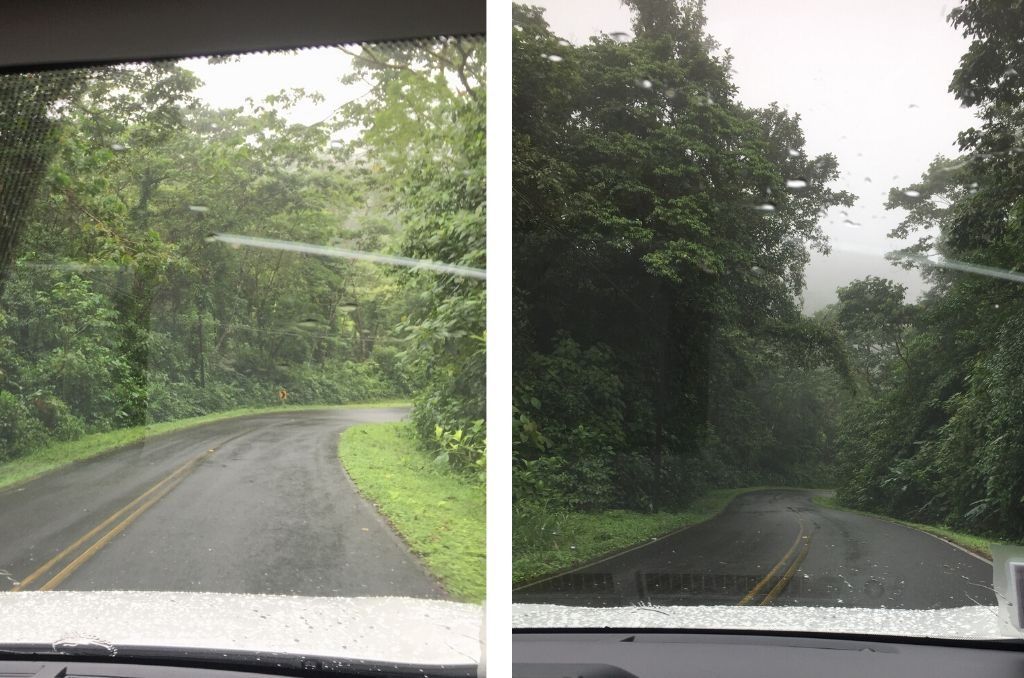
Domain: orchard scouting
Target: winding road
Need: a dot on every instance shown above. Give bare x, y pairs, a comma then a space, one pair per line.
778, 547
255, 504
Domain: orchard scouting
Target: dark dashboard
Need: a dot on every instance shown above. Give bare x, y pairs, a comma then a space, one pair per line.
608, 654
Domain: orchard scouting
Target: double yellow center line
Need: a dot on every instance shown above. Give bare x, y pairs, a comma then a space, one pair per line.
116, 523
803, 543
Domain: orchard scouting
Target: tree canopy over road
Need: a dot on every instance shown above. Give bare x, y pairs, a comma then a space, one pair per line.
121, 306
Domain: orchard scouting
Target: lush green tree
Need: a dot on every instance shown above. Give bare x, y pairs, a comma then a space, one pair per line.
874, 320
425, 134
660, 233
941, 440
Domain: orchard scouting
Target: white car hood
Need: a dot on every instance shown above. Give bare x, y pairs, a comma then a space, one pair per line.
393, 630
978, 622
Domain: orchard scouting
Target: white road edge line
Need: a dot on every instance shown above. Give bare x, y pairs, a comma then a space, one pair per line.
930, 534
956, 546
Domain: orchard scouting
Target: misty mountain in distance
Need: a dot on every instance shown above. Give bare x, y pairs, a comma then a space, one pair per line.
825, 274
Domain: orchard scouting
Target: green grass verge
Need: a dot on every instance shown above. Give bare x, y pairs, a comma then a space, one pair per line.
61, 454
971, 542
440, 515
545, 541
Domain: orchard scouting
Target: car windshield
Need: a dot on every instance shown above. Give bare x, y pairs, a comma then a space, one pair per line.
767, 313
242, 352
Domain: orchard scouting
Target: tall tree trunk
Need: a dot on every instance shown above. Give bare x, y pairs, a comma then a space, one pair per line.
202, 355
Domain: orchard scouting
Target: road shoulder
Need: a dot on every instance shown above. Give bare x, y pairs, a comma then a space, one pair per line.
971, 544
440, 515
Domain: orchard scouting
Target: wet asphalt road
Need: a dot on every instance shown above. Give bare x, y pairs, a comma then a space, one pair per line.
269, 510
780, 548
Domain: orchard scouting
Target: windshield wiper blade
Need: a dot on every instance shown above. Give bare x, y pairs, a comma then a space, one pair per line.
278, 663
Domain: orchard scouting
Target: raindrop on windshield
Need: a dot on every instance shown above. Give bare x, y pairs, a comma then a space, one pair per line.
553, 57
564, 43
619, 36
796, 183
851, 223
118, 147
911, 193
765, 207
199, 208
646, 84
913, 106
793, 153
211, 237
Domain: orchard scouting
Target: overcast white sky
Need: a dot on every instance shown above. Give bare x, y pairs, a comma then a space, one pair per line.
254, 76
227, 85
869, 79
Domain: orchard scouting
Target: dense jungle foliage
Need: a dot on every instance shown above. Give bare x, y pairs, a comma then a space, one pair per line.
661, 230
939, 435
120, 305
